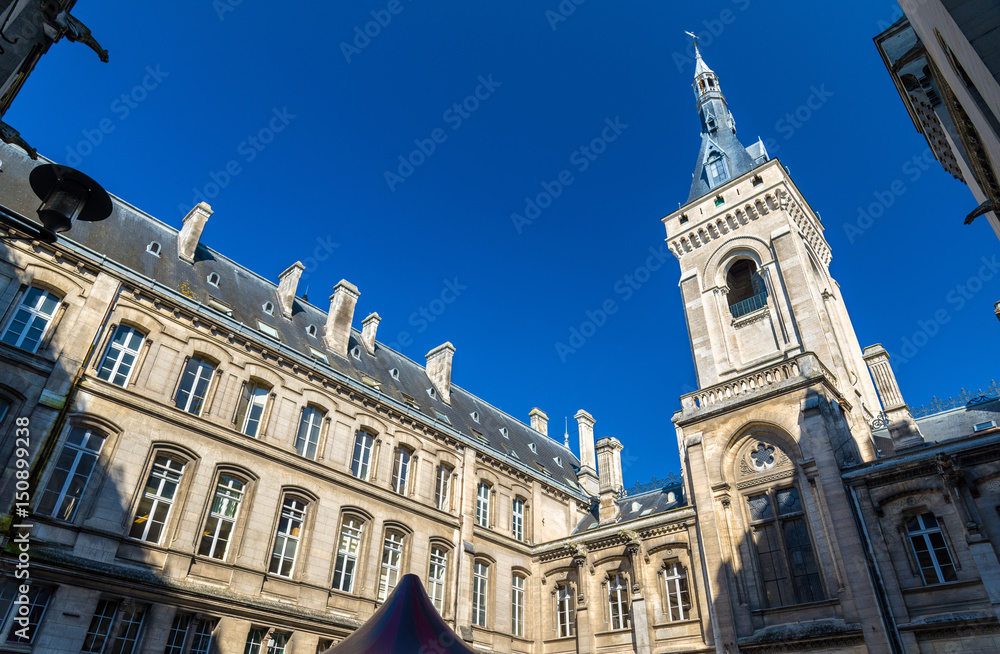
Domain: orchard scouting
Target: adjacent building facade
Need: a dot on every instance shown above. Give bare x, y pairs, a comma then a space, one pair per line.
199, 460
944, 57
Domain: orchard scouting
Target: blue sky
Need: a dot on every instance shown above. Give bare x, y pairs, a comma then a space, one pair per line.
293, 126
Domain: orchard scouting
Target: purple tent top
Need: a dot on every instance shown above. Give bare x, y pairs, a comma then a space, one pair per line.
406, 624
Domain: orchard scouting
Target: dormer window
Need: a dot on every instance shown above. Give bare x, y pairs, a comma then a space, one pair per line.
716, 168
268, 308
213, 279
533, 448
432, 393
394, 373
153, 248
710, 121
475, 415
558, 460
356, 352
311, 330
504, 432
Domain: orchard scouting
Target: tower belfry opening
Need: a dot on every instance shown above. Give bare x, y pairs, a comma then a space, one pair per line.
746, 288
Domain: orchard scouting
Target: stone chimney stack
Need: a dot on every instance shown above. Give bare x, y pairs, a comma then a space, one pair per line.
194, 224
588, 463
288, 284
539, 421
609, 464
341, 315
439, 369
902, 428
368, 328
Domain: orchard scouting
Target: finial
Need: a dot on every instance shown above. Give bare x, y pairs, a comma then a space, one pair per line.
566, 433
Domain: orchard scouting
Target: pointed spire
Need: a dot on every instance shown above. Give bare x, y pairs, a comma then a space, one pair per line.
700, 67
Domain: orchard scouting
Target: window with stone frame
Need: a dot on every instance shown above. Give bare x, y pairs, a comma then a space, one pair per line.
618, 600
361, 462
32, 612
517, 512
71, 475
480, 592
121, 355
116, 627
392, 562
348, 551
930, 549
158, 496
288, 537
437, 577
747, 291
442, 487
31, 320
483, 492
190, 634
194, 385
677, 597
261, 640
310, 426
565, 611
250, 407
517, 584
401, 468
223, 512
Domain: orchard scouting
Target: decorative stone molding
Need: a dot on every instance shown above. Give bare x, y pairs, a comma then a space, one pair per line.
751, 318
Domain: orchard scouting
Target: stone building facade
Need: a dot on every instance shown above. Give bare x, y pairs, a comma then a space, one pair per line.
210, 463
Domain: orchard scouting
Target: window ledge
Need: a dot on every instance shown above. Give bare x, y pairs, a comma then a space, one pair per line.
948, 584
565, 639
613, 632
795, 608
675, 623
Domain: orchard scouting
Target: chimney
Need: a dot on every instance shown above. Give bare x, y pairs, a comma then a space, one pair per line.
194, 223
588, 465
439, 369
338, 321
902, 428
539, 421
368, 328
288, 283
609, 464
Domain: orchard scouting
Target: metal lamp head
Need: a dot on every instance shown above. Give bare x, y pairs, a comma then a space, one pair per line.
67, 195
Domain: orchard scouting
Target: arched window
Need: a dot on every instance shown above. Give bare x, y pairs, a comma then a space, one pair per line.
194, 385
517, 605
121, 355
678, 604
69, 478
392, 559
717, 170
347, 553
288, 536
442, 489
565, 618
221, 521
157, 498
517, 518
930, 548
746, 288
480, 590
250, 409
437, 577
618, 601
307, 440
31, 320
483, 504
400, 469
361, 462
788, 570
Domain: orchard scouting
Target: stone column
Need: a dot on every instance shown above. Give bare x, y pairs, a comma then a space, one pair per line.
902, 428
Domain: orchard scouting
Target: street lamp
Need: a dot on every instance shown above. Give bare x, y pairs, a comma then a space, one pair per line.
67, 195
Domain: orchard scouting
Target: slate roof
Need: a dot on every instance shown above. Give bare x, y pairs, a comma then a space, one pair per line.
124, 237
638, 506
954, 423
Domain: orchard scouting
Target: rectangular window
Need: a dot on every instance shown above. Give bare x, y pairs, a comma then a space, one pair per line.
202, 641
157, 498
442, 490
258, 642
400, 466
347, 554
129, 630
32, 612
618, 601
517, 518
176, 636
123, 350
250, 410
483, 505
221, 517
788, 569
678, 602
392, 555
32, 318
71, 474
100, 627
436, 579
194, 386
929, 546
480, 585
362, 455
308, 437
517, 606
286, 541
564, 612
